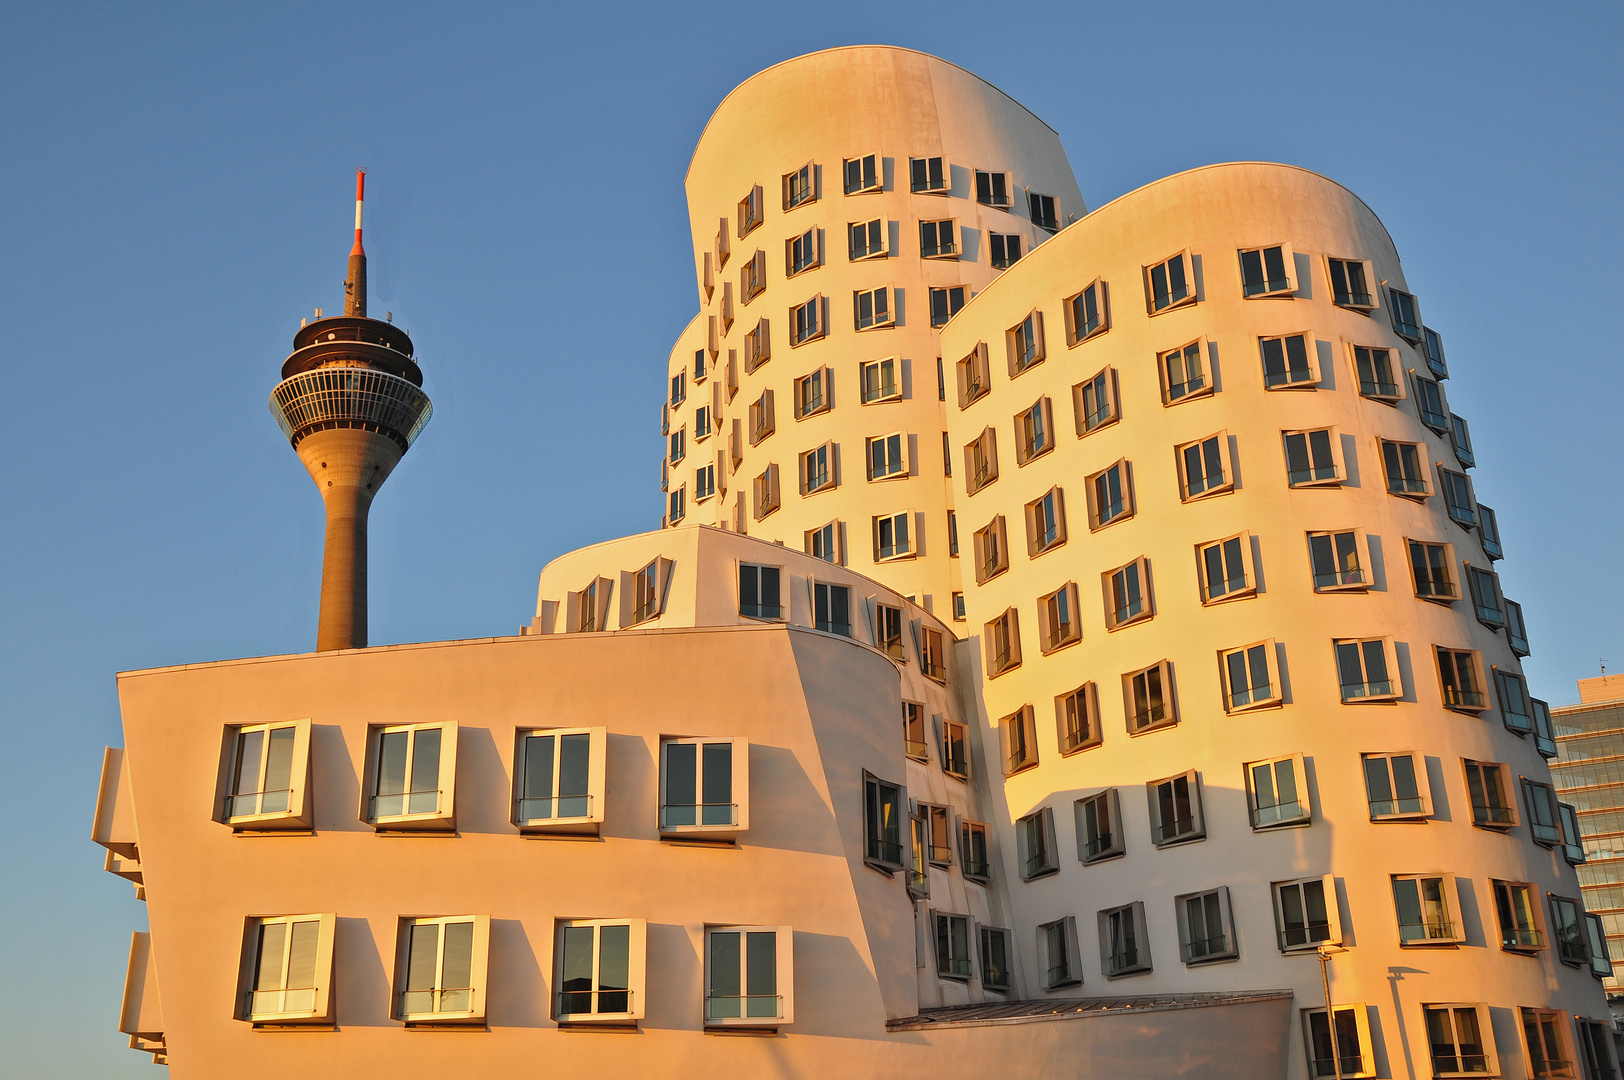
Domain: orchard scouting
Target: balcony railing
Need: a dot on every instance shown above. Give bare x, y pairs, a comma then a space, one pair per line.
1211, 946
1098, 845
405, 804
1521, 937
289, 1001
253, 803
1172, 830
420, 1004
744, 1006
588, 1004
1434, 929
554, 807
1301, 935
1124, 961
693, 815
1469, 699
1492, 815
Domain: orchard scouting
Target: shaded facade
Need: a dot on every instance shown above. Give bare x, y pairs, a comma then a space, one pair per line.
1589, 777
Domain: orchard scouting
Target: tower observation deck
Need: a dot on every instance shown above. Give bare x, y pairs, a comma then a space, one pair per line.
351, 402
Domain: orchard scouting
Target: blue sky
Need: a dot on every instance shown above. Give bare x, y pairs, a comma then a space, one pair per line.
175, 190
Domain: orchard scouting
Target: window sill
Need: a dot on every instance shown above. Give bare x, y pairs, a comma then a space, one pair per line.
1040, 875
1374, 699
888, 869
1021, 462
1273, 826
617, 1026
1050, 650
1104, 856
1111, 628
1178, 840
1189, 301
1092, 744
1072, 344
1095, 527
1159, 725
1101, 426
1251, 594
1333, 482
1221, 489
1255, 706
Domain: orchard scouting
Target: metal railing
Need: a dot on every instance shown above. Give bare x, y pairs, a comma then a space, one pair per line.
1075, 737
1351, 299
1099, 845
1483, 814
1143, 718
1434, 929
954, 965
1355, 576
350, 396
1393, 807
940, 854
1373, 688
1272, 815
1401, 485
1378, 389
1299, 935
913, 748
1313, 472
1350, 1065
256, 803
684, 815
1036, 864
886, 851
744, 1006
1122, 961
573, 1004
1515, 937
918, 882
1058, 974
1172, 830
405, 804
975, 869
448, 1000
1209, 946
554, 807
1472, 699
286, 1001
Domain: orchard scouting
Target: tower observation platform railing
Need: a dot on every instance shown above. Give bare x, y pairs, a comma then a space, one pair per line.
350, 397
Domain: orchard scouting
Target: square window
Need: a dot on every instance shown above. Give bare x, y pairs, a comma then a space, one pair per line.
996, 949
749, 976
863, 174
1184, 373
600, 970
831, 608
1376, 372
1169, 284
559, 780
1201, 467
1077, 715
1460, 1038
1430, 568
1096, 401
1206, 927
1312, 458
824, 542
991, 550
801, 253
750, 211
800, 186
762, 421
1045, 522
893, 536
1148, 698
1364, 668
1350, 284
953, 946
759, 595
1397, 788
286, 972
1058, 957
1548, 1054
1485, 586
1018, 738
973, 850
1059, 624
1305, 912
587, 611
867, 239
929, 176
938, 239
813, 393
883, 812
1175, 810
1034, 431
1288, 363
704, 483
1088, 313
1346, 1051
1128, 596
440, 968
1003, 250
1517, 909
974, 377
886, 457
704, 787
1110, 494
764, 493
1488, 783
1044, 213
1026, 343
1099, 827
264, 777
757, 351
879, 381
1268, 272
872, 308
981, 461
807, 322
1034, 834
1405, 468
1222, 569
944, 304
1406, 315
1460, 675
1249, 678
411, 777
992, 188
1544, 820
1277, 792
933, 654
1124, 942
1335, 560
1426, 905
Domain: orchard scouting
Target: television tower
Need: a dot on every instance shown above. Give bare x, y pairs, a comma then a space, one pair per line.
351, 402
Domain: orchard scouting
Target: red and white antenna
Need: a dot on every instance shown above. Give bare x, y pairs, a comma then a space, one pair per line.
355, 285
360, 198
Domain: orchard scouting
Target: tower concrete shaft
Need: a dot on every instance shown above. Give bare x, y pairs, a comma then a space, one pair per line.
348, 466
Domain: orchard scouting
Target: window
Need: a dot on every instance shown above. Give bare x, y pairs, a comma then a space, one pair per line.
955, 747
1124, 943
679, 388
1485, 586
958, 606
800, 186
1406, 474
758, 592
1221, 568
973, 850
701, 364
992, 188
559, 780
801, 253
1489, 531
411, 774
678, 506
944, 304
1425, 909
602, 966
1544, 733
1573, 847
1311, 457
1601, 962
1544, 820
879, 381
1460, 437
1184, 376
953, 946
749, 976
1364, 669
1350, 284
752, 280
888, 639
757, 351
995, 952
1206, 927
1433, 347
708, 276
981, 461
733, 359
750, 211
882, 822
1516, 628
1547, 1050
824, 542
938, 834
1058, 624
936, 240
762, 422
587, 611
721, 249
1077, 715
1088, 313
1429, 400
1025, 341
1128, 597
929, 176
1110, 495
1375, 370
1519, 923
867, 239
872, 308
816, 473
991, 550
1396, 785
952, 516
862, 174
1057, 954
1406, 316
1286, 365
712, 337
1045, 522
1019, 738
1099, 827
1488, 783
1034, 834
287, 970
807, 322
831, 608
1095, 400
1460, 673
1034, 431
1305, 912
1043, 211
679, 445
1175, 809
1455, 1034
1267, 272
1334, 557
1346, 1053
1430, 565
764, 492
1003, 250
974, 378
1249, 678
1148, 697
440, 969
1277, 792
813, 393
702, 423
1169, 284
704, 786
1458, 497
893, 537
266, 769
704, 483
932, 654
1201, 467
